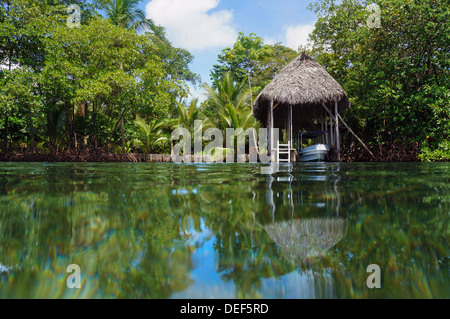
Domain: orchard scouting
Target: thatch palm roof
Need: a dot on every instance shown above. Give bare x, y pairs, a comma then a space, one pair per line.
303, 83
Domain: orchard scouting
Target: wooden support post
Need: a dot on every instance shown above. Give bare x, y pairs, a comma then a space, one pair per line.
348, 127
292, 127
331, 132
356, 136
289, 124
268, 129
321, 128
338, 142
271, 129
290, 130
286, 124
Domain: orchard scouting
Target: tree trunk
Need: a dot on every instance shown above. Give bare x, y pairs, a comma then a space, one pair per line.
94, 114
338, 142
122, 132
86, 114
84, 111
51, 142
32, 145
5, 135
70, 127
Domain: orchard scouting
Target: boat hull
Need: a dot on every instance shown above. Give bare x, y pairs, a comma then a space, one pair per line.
315, 153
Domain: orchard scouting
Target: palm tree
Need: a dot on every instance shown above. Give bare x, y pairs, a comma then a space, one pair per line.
153, 134
239, 120
231, 100
125, 14
226, 91
188, 113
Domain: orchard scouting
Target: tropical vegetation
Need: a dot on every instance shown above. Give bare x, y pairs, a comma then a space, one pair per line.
65, 89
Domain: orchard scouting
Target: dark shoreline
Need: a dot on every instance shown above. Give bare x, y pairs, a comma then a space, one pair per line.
105, 157
84, 157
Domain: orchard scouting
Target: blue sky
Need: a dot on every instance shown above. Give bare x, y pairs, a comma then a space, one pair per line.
205, 27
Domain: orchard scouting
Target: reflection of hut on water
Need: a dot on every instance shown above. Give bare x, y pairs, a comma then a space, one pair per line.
312, 188
303, 96
302, 241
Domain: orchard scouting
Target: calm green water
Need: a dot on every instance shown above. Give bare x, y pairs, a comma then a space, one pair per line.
224, 230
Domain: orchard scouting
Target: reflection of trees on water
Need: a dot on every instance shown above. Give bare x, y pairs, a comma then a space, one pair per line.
277, 237
388, 221
132, 226
123, 237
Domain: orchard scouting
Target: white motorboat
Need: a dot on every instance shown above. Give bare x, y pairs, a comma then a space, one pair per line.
314, 153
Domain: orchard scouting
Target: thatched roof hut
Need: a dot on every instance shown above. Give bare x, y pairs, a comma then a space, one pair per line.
298, 98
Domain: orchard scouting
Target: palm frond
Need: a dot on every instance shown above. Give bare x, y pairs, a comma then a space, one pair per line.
143, 125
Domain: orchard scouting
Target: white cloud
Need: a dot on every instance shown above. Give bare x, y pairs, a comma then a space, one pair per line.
298, 34
191, 24
293, 36
270, 40
198, 93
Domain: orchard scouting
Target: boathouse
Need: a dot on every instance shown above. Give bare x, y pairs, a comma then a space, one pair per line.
303, 97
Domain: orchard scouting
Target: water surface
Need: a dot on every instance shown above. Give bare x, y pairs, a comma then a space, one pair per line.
149, 230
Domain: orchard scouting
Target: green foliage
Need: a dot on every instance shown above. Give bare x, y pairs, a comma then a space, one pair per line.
21, 103
81, 83
398, 76
125, 14
82, 86
152, 135
440, 154
24, 25
108, 68
277, 58
187, 114
241, 58
230, 101
251, 59
176, 63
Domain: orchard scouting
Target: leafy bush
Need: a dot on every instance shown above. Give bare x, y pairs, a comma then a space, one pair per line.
441, 154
